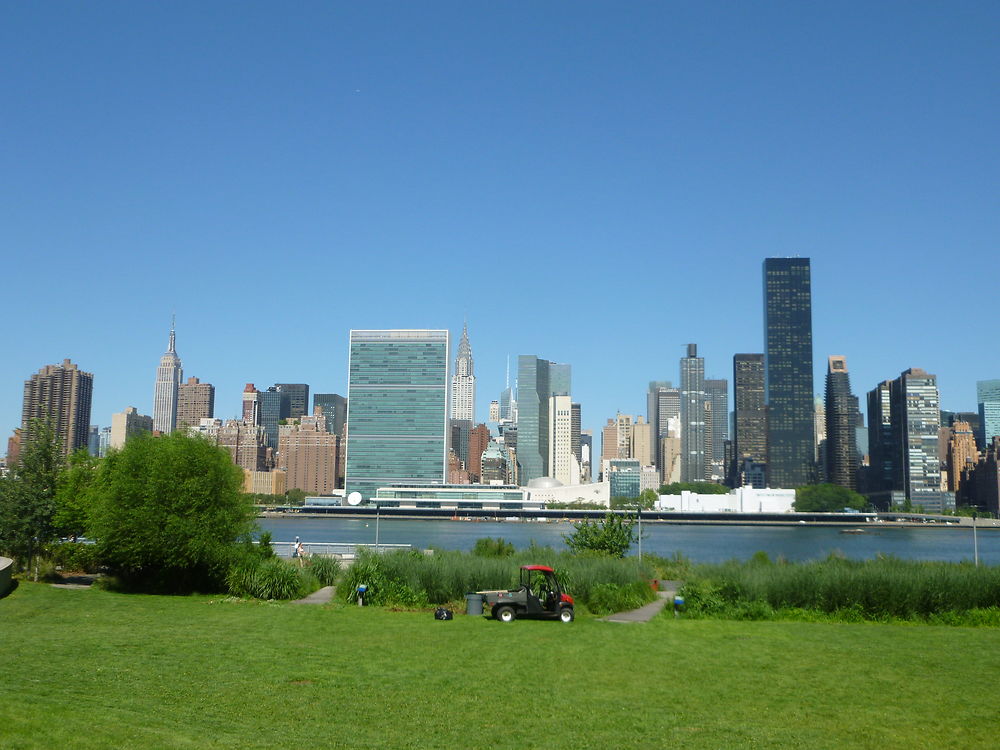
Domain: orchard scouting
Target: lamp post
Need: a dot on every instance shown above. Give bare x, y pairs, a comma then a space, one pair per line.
377, 512
975, 539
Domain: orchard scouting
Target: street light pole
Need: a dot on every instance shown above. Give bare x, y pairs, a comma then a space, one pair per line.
377, 512
975, 539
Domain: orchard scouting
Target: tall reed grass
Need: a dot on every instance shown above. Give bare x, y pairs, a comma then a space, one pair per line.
880, 588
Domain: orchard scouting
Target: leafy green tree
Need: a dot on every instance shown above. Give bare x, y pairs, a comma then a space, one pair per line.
702, 488
72, 504
295, 496
28, 495
612, 536
168, 513
646, 500
827, 498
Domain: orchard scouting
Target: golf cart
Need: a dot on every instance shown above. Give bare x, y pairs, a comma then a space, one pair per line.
540, 596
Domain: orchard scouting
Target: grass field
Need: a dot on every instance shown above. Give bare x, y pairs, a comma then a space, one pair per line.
93, 669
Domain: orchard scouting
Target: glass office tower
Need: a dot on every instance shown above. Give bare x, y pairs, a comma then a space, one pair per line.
397, 409
788, 372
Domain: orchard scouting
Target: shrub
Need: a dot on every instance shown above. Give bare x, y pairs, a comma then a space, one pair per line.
489, 547
76, 556
612, 536
325, 569
271, 578
605, 598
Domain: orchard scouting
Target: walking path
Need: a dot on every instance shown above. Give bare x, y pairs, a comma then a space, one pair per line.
323, 596
648, 611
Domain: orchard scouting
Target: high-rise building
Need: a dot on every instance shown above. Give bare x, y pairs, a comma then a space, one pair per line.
397, 409
788, 372
270, 404
841, 426
904, 452
60, 395
494, 410
309, 454
717, 394
251, 404
479, 439
94, 441
246, 443
334, 408
463, 382
295, 400
562, 461
537, 381
168, 379
104, 442
625, 477
586, 454
195, 402
962, 454
459, 439
496, 464
616, 438
663, 402
127, 424
750, 439
988, 400
642, 445
881, 441
574, 439
692, 416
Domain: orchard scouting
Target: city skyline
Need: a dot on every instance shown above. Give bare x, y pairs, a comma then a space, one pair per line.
662, 139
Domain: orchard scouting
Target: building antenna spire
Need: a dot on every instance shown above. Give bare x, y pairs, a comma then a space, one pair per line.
508, 372
173, 319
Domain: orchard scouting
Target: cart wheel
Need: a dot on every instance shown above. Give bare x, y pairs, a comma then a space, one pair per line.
566, 614
505, 614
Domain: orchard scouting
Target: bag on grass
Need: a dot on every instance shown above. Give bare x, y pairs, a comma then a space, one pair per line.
443, 614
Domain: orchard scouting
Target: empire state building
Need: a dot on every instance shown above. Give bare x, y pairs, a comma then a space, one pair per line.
168, 378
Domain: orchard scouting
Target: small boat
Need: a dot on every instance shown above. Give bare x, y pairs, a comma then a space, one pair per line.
853, 531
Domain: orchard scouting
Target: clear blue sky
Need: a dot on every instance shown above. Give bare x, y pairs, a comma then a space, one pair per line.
594, 183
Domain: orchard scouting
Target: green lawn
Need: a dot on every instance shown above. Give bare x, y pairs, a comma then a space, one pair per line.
86, 668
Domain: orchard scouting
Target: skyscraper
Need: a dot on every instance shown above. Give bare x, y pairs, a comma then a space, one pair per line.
334, 408
272, 404
251, 404
788, 371
561, 459
463, 382
692, 416
309, 454
127, 424
295, 400
537, 381
988, 400
397, 409
903, 421
750, 440
717, 394
195, 402
841, 426
61, 395
168, 379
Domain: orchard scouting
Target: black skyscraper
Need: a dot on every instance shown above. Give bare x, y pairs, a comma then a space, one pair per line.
750, 440
841, 426
788, 368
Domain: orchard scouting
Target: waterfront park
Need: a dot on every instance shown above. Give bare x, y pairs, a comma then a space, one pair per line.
164, 635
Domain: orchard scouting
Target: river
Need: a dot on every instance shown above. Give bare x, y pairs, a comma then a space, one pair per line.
698, 543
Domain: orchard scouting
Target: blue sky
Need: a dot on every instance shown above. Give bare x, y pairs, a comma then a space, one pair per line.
594, 183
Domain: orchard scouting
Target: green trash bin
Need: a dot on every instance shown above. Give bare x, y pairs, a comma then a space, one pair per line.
473, 604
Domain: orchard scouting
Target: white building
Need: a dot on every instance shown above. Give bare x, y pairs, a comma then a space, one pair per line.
562, 461
168, 379
127, 423
740, 500
463, 382
546, 491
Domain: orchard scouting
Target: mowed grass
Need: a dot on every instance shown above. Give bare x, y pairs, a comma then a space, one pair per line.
93, 669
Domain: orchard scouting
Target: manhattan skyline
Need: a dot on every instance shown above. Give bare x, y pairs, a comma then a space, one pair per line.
219, 164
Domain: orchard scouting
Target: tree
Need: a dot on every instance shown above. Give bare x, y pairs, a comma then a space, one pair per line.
827, 498
72, 506
645, 500
702, 488
27, 495
295, 496
612, 536
168, 513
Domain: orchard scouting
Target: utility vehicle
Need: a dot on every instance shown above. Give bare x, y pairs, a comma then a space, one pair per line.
539, 596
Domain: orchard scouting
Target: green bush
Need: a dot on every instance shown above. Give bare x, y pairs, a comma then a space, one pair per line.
489, 547
325, 569
75, 556
605, 598
271, 578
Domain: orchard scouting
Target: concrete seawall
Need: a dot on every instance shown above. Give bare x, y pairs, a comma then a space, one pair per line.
6, 568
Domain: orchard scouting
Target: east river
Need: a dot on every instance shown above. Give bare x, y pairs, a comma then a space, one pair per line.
698, 543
